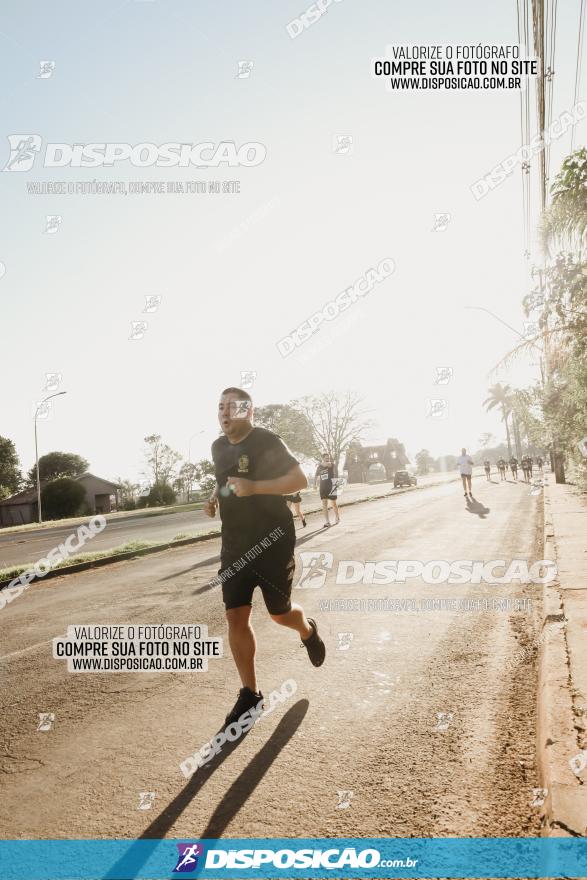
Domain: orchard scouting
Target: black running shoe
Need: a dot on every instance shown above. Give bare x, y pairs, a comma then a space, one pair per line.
247, 699
314, 645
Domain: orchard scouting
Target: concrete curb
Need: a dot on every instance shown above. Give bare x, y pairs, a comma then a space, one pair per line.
564, 812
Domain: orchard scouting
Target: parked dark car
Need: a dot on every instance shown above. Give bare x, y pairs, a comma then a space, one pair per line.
403, 478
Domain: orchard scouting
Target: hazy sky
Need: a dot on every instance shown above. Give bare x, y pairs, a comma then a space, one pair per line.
166, 71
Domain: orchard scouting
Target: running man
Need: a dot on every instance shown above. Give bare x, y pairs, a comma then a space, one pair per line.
501, 468
540, 463
514, 467
526, 468
465, 463
326, 473
296, 501
487, 466
530, 464
254, 469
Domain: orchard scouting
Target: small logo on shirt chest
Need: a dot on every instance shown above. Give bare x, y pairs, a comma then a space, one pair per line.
243, 464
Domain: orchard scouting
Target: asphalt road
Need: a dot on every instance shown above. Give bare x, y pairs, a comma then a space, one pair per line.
29, 546
365, 723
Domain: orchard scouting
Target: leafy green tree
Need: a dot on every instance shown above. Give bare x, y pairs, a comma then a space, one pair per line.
58, 464
127, 494
204, 471
161, 459
10, 475
61, 498
160, 495
336, 419
293, 427
424, 462
565, 221
187, 477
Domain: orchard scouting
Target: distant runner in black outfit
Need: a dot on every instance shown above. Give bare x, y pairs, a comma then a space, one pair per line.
254, 470
487, 466
326, 475
514, 467
295, 501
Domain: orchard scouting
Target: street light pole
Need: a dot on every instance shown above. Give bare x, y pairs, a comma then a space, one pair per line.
39, 405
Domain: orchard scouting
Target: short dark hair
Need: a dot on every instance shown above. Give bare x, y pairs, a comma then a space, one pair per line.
239, 392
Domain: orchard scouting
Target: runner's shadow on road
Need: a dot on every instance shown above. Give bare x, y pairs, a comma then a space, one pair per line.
232, 801
202, 564
309, 535
476, 507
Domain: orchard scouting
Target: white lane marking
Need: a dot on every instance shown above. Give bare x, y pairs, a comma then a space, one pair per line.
30, 648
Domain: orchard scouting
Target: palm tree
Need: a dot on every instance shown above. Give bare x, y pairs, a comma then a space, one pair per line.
565, 221
500, 395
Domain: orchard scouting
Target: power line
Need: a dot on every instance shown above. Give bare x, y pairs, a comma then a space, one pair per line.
578, 64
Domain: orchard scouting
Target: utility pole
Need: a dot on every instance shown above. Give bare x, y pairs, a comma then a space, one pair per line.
556, 456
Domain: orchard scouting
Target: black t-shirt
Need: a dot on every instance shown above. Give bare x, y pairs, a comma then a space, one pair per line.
325, 473
262, 455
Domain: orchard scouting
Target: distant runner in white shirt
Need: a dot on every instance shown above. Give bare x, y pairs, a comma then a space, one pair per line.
465, 463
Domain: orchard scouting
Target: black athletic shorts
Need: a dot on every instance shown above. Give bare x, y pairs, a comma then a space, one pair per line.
272, 571
295, 499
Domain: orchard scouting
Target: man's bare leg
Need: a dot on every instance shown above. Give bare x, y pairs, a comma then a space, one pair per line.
336, 514
325, 509
243, 644
295, 619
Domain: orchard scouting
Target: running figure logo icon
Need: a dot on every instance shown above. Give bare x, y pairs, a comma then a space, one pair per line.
443, 375
53, 380
46, 71
23, 149
344, 799
46, 720
187, 861
52, 223
315, 566
146, 799
152, 303
444, 720
441, 222
344, 641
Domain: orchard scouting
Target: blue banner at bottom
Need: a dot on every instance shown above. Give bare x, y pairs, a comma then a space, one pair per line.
288, 858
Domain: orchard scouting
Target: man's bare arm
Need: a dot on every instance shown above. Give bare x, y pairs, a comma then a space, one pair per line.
293, 481
212, 503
